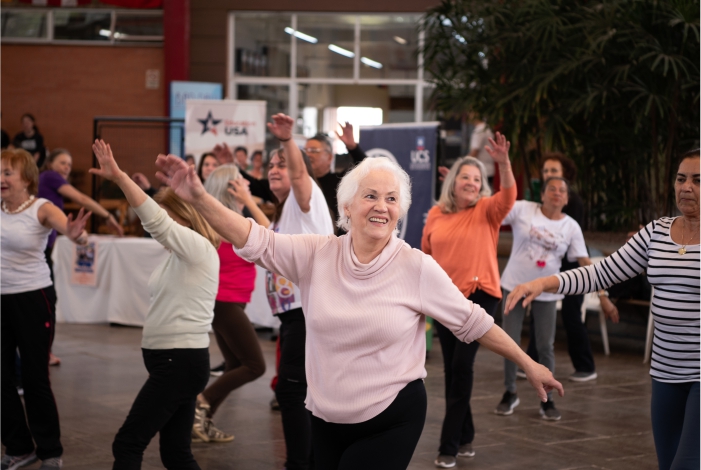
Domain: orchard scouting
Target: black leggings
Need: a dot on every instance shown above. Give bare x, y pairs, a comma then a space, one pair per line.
239, 345
385, 442
291, 391
165, 405
458, 363
28, 322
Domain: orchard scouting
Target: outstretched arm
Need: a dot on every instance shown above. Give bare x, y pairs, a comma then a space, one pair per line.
281, 127
69, 191
180, 176
52, 217
110, 171
539, 376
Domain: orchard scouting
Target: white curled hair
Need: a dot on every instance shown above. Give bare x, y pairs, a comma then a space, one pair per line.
217, 185
348, 186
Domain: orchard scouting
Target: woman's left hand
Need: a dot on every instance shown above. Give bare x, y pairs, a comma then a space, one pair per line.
75, 228
108, 166
239, 188
609, 309
542, 380
281, 127
499, 150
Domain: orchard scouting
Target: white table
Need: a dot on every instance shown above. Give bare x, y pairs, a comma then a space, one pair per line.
124, 266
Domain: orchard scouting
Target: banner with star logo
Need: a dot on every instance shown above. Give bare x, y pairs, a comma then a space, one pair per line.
232, 122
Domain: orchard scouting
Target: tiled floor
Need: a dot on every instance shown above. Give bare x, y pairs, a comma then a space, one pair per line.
605, 424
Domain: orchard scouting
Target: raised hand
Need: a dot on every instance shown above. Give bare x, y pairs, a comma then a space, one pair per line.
346, 135
281, 127
499, 150
108, 166
75, 228
180, 176
443, 172
142, 181
223, 154
239, 188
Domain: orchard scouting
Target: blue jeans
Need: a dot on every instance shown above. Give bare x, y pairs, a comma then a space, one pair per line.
675, 424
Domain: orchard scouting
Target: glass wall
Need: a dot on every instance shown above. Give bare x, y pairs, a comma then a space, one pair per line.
388, 46
262, 45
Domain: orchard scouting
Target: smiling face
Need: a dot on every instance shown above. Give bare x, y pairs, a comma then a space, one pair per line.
319, 157
208, 166
12, 186
374, 211
468, 183
555, 195
278, 177
686, 187
62, 165
552, 169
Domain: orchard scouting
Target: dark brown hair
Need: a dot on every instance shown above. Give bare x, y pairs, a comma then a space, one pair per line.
569, 169
201, 164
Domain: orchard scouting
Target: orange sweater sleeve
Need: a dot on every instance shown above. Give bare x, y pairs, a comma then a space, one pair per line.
499, 205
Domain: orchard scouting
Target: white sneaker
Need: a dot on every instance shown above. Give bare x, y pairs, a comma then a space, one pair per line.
13, 462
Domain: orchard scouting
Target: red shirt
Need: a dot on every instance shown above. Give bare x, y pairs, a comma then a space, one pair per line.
237, 278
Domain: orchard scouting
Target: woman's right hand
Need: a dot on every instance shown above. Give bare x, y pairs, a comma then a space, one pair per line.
180, 176
239, 188
542, 380
108, 166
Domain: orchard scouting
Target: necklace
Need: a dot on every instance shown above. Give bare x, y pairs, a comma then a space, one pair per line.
682, 250
26, 204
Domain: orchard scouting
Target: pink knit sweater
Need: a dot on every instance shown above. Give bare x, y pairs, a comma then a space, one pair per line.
366, 333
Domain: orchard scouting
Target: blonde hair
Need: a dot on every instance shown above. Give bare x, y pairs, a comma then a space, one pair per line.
350, 183
217, 185
185, 211
22, 161
447, 201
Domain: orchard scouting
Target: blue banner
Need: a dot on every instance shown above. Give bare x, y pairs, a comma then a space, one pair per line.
413, 147
179, 93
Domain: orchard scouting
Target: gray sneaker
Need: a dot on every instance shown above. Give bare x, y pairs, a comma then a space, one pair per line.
13, 462
445, 461
520, 374
507, 404
549, 412
583, 376
54, 463
466, 450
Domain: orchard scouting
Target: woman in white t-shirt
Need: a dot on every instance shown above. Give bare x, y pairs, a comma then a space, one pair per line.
543, 236
300, 208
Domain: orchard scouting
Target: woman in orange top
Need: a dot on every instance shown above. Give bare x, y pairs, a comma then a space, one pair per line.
461, 234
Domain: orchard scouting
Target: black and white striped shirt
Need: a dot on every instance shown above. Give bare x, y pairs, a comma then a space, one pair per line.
675, 302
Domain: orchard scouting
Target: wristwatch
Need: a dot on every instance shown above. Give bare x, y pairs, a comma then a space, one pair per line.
604, 293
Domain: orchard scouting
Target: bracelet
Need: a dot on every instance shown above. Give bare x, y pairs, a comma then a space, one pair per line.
284, 140
604, 293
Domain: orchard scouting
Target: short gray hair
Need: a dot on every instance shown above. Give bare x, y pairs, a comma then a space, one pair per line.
348, 187
217, 185
447, 200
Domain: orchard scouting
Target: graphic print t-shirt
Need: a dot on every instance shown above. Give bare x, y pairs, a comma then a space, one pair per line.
283, 295
539, 246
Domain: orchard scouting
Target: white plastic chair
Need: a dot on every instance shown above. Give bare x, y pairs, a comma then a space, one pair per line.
592, 302
650, 331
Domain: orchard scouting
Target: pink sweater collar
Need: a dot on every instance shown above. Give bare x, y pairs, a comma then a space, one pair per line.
365, 271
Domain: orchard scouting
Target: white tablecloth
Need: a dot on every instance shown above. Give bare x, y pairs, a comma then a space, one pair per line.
124, 266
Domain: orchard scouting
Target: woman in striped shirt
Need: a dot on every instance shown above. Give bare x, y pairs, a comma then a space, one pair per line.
668, 248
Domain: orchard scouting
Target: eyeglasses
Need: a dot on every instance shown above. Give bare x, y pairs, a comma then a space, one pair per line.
313, 150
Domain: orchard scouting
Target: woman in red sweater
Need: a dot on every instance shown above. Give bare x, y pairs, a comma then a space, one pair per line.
461, 234
235, 335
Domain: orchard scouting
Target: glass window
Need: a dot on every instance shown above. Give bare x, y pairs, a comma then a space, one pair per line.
388, 46
325, 46
82, 26
262, 45
135, 27
276, 98
23, 24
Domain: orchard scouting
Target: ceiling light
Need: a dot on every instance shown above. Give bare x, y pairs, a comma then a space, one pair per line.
340, 50
303, 36
401, 41
371, 63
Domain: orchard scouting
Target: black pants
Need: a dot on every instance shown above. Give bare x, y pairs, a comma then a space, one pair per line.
291, 390
578, 345
458, 363
385, 442
27, 323
165, 404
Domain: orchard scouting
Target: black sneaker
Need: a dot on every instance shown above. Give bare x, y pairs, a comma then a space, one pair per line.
507, 404
549, 412
217, 371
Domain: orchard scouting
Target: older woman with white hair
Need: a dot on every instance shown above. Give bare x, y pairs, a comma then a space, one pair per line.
365, 296
236, 337
464, 225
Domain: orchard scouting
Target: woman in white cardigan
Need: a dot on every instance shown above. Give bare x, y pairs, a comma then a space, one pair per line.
175, 342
